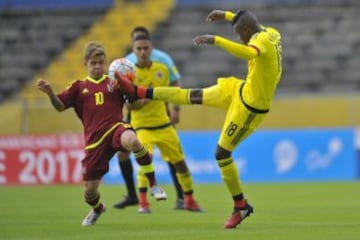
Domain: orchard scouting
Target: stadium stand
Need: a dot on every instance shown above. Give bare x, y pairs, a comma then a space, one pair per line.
320, 50
321, 46
31, 37
320, 43
110, 24
112, 30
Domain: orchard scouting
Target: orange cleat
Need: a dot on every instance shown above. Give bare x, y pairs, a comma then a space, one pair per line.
126, 85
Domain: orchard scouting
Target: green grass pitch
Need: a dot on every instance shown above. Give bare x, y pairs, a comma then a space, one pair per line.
294, 211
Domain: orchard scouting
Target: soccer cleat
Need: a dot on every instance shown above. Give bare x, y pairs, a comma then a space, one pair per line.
144, 207
126, 85
192, 205
158, 193
126, 202
179, 204
92, 217
238, 216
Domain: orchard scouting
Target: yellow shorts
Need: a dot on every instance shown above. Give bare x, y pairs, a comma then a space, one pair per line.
240, 122
165, 139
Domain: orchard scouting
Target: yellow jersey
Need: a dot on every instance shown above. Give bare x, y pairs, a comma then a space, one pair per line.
154, 113
264, 71
264, 68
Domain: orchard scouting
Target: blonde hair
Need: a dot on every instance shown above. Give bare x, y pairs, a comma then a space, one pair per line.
93, 49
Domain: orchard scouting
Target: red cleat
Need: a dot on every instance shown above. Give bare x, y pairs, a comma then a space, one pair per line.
144, 207
191, 205
238, 216
126, 85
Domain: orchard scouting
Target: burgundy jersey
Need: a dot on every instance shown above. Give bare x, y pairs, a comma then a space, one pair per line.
97, 105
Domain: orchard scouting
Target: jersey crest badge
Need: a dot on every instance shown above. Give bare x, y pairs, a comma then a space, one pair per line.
159, 75
110, 87
85, 91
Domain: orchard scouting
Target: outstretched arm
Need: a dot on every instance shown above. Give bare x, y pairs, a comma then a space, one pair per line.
45, 87
236, 49
218, 15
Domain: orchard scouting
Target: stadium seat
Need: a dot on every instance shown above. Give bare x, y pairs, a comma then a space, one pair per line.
30, 38
316, 48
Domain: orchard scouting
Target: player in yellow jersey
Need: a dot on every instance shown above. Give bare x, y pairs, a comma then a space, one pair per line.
246, 101
125, 164
151, 121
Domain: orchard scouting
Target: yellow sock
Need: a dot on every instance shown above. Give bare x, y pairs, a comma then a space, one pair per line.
172, 94
144, 168
185, 181
230, 176
147, 168
142, 180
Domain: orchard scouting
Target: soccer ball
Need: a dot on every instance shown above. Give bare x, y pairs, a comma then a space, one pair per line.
123, 66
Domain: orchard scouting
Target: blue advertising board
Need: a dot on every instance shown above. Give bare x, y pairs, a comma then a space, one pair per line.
266, 156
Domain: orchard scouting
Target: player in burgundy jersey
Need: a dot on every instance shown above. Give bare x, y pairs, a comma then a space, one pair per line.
99, 107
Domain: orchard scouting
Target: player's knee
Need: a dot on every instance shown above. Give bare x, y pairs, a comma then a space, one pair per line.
130, 141
222, 153
181, 167
135, 144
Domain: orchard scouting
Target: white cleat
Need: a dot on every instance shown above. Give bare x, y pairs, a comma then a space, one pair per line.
143, 210
92, 217
158, 193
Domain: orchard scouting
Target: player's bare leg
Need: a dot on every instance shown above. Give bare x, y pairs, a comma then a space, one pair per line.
92, 197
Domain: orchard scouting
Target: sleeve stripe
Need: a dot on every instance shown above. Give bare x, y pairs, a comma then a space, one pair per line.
256, 48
